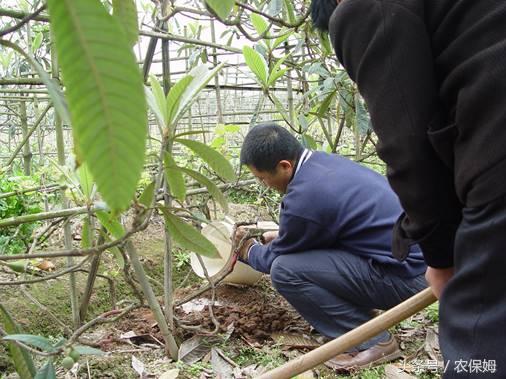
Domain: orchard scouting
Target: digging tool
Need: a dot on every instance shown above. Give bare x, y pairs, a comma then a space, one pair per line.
354, 337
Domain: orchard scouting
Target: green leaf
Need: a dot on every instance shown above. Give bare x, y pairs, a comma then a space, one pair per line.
188, 237
159, 96
86, 350
47, 371
325, 42
147, 195
201, 76
278, 41
279, 62
36, 341
256, 63
222, 8
192, 133
105, 95
174, 97
112, 225
218, 142
174, 178
325, 105
153, 106
37, 41
22, 360
232, 128
18, 266
214, 159
290, 11
85, 180
126, 13
85, 234
259, 23
213, 189
308, 142
276, 75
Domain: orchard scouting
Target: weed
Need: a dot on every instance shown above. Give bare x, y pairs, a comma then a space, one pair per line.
432, 312
194, 370
266, 357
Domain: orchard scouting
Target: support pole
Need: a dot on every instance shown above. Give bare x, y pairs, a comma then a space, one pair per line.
27, 154
67, 232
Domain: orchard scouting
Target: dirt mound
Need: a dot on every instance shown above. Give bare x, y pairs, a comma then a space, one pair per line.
255, 314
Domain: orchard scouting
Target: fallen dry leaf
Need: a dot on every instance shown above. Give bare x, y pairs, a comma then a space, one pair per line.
45, 265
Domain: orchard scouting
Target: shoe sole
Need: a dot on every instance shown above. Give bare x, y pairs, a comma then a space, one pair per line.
387, 358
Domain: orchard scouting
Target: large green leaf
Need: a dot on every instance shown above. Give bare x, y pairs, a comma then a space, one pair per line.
174, 178
126, 12
47, 371
105, 95
213, 189
222, 8
37, 341
188, 237
256, 63
23, 362
201, 76
214, 159
174, 97
259, 23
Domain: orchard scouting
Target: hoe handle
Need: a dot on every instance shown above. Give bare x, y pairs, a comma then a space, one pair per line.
354, 337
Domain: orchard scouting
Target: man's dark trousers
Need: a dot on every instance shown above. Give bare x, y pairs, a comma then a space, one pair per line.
473, 305
335, 291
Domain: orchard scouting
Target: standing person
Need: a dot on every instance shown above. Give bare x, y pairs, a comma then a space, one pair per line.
332, 258
433, 75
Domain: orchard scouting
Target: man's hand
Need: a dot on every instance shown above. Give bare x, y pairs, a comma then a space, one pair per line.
438, 278
269, 236
240, 233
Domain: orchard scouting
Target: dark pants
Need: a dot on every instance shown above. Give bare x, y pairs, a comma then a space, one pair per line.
473, 305
335, 291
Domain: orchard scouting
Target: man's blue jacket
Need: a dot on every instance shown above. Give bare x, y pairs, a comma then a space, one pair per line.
335, 204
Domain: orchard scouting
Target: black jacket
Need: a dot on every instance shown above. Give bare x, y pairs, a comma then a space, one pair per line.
433, 74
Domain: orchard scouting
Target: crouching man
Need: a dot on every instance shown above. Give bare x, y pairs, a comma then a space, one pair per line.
332, 259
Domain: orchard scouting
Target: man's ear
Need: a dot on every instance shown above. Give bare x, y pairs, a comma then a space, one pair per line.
285, 164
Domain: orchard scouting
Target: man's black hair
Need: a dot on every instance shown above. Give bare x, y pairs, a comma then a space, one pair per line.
267, 144
321, 10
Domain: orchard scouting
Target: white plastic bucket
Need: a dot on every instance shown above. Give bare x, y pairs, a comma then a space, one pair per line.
219, 233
